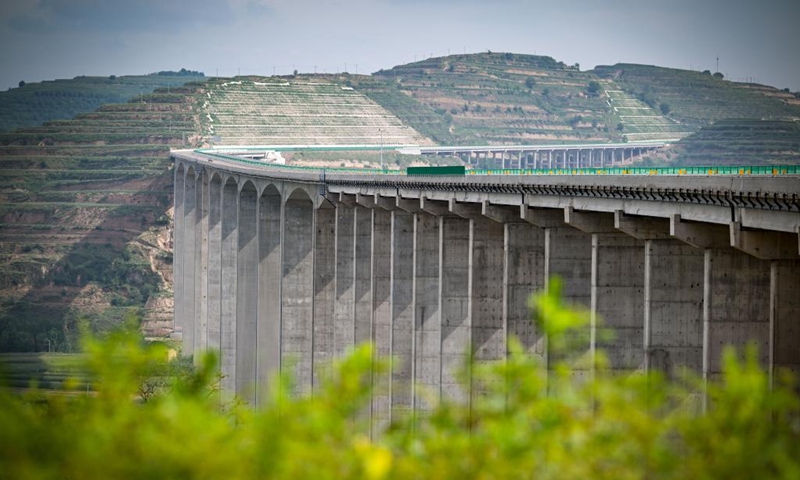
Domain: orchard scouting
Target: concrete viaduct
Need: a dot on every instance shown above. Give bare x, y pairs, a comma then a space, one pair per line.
543, 156
273, 264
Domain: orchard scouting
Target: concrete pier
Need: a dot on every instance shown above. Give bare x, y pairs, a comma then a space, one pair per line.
189, 259
229, 264
344, 305
402, 321
427, 320
736, 306
268, 330
324, 290
673, 307
297, 289
523, 275
214, 261
178, 251
454, 295
382, 312
247, 293
280, 272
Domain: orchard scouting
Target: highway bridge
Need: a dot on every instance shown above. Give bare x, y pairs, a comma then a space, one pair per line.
542, 156
280, 267
547, 156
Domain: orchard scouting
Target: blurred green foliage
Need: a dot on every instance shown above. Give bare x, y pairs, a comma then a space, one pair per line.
526, 424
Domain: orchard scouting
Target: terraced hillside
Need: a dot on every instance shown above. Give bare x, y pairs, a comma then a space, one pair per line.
697, 99
84, 203
298, 111
742, 142
37, 102
83, 219
496, 98
638, 121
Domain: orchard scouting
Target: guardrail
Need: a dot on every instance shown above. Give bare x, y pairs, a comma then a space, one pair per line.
774, 170
717, 170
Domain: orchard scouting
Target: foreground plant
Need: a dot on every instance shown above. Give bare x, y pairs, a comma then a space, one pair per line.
530, 421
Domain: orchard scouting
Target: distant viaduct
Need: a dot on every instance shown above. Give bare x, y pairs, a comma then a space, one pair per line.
274, 264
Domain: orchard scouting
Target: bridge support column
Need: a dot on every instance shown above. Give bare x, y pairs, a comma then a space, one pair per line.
486, 292
344, 306
214, 263
228, 275
297, 288
523, 275
618, 297
268, 330
324, 290
178, 252
427, 318
568, 256
780, 249
784, 313
402, 332
382, 313
736, 306
247, 294
201, 332
189, 257
454, 245
673, 295
363, 308
617, 289
673, 303
363, 275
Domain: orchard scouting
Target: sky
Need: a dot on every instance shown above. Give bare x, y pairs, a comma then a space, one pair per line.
49, 39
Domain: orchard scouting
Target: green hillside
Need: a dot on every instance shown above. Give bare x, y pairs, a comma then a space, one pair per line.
495, 98
35, 103
697, 99
85, 202
742, 142
83, 219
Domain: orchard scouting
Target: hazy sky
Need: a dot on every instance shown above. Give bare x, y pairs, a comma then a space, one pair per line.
47, 39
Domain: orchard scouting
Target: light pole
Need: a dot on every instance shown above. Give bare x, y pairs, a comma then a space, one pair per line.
381, 131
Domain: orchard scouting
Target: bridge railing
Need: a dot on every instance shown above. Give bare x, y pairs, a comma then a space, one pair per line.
728, 170
714, 170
